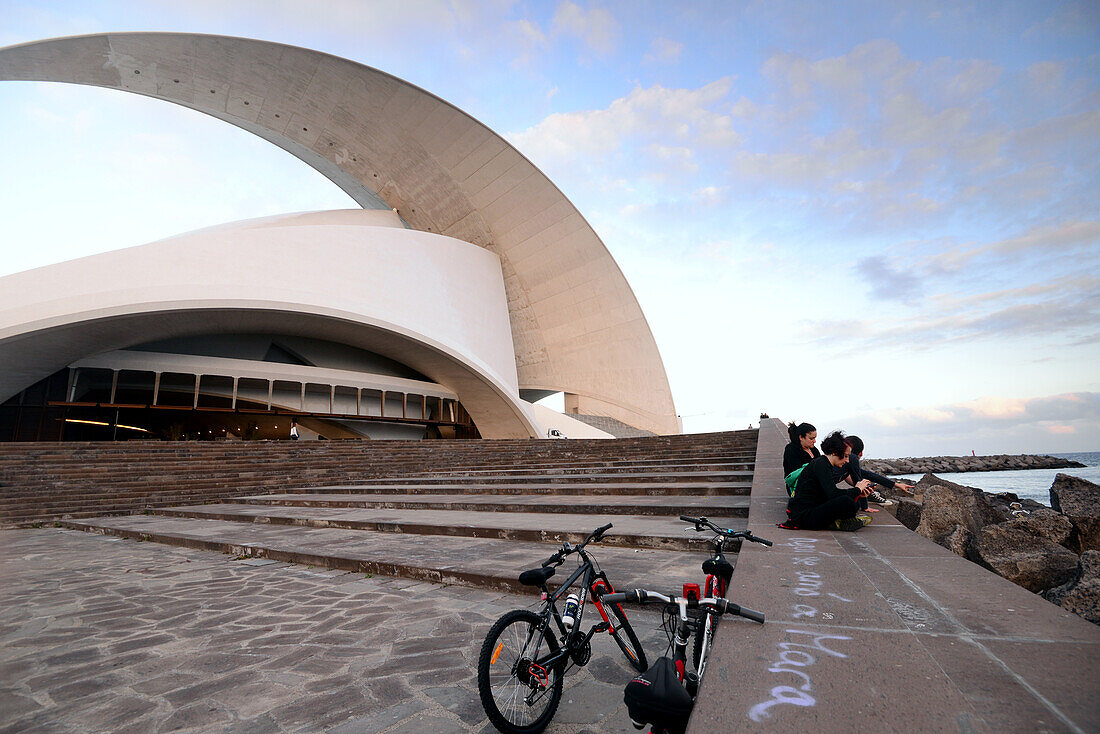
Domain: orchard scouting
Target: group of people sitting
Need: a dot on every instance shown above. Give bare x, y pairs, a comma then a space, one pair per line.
812, 476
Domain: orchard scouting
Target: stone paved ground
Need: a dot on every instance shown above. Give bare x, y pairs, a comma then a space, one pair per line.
103, 634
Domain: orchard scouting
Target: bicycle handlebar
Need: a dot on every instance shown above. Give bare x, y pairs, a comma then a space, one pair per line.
718, 606
701, 523
595, 536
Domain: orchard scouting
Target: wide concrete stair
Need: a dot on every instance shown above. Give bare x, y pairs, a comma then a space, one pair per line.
466, 512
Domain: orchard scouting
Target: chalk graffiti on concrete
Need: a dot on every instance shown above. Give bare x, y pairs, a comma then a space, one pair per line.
794, 659
797, 655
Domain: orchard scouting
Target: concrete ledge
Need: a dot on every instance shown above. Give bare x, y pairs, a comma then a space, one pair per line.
883, 630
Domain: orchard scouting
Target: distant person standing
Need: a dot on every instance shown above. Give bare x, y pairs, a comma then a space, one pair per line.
293, 430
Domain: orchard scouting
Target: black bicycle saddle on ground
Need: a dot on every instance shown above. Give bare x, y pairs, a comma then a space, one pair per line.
656, 697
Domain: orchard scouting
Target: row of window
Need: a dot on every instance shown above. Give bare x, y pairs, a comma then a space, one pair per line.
175, 389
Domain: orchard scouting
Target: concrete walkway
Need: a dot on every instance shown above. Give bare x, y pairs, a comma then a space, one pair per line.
99, 634
882, 630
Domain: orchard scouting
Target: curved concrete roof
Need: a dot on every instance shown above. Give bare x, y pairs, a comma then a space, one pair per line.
575, 322
319, 275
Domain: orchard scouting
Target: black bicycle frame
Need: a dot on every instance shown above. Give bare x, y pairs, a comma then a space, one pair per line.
593, 577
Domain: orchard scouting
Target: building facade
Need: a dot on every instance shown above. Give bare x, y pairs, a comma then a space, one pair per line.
467, 287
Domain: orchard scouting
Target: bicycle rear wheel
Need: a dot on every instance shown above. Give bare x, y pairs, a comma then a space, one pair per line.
626, 639
518, 696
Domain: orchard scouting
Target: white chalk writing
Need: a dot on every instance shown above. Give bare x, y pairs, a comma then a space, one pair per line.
798, 654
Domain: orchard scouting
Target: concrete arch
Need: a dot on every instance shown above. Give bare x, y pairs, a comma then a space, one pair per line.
575, 323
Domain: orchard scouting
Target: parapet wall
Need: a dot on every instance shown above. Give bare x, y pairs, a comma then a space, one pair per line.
883, 630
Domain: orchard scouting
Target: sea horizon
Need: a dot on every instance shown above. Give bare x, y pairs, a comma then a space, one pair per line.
1032, 484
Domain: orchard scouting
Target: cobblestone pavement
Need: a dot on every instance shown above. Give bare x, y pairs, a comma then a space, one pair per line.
103, 634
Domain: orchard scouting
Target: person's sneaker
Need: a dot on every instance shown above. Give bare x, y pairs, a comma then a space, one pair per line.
877, 498
851, 524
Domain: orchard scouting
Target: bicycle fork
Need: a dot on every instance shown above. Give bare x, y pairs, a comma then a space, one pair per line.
690, 679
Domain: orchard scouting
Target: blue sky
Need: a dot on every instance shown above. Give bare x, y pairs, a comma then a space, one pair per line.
881, 217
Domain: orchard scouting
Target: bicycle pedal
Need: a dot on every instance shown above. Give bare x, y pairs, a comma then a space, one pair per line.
601, 627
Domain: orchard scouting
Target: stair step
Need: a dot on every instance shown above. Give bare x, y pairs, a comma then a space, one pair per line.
518, 525
612, 504
400, 487
480, 562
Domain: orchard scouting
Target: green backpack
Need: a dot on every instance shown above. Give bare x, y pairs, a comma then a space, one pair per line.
792, 479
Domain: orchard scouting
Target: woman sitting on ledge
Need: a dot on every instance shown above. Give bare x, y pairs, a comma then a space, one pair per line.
818, 504
801, 450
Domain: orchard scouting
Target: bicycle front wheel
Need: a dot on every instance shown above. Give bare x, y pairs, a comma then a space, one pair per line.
626, 639
518, 695
704, 639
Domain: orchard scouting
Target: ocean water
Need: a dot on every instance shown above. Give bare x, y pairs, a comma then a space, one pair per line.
1032, 484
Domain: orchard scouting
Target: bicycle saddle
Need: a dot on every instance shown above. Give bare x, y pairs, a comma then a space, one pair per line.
536, 576
718, 567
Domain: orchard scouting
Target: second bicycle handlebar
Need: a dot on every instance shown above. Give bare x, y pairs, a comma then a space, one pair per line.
596, 535
701, 523
720, 606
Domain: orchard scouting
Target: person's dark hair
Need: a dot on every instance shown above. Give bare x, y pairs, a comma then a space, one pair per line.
798, 431
834, 444
855, 442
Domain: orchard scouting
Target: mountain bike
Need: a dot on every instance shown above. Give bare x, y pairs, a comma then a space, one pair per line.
719, 571
526, 654
664, 695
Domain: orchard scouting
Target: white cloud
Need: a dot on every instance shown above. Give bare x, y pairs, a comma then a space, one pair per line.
1065, 310
596, 27
669, 124
709, 195
662, 50
1045, 239
989, 424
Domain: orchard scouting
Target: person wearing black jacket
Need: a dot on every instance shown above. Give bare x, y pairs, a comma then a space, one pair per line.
857, 473
801, 450
818, 504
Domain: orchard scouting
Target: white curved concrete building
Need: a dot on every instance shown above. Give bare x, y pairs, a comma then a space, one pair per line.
467, 280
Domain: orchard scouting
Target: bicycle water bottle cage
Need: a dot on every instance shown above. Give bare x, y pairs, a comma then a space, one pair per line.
537, 576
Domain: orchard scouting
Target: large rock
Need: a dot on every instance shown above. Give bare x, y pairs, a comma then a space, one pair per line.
908, 512
1079, 501
1029, 560
1081, 594
953, 515
1044, 523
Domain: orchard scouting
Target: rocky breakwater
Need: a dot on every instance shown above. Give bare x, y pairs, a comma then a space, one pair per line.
950, 464
1053, 551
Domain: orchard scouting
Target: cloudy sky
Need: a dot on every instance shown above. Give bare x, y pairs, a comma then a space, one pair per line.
881, 217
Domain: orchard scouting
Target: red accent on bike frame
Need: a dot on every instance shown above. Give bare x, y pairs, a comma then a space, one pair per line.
680, 670
596, 598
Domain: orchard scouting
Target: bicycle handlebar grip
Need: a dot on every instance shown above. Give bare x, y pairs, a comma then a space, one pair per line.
552, 560
604, 529
755, 539
695, 520
751, 614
